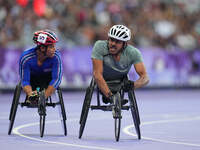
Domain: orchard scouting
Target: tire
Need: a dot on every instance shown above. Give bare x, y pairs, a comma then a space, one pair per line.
85, 107
87, 96
42, 124
84, 114
117, 116
136, 107
14, 107
42, 112
63, 112
135, 113
13, 103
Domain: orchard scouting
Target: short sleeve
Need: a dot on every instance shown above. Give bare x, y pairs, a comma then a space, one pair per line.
136, 56
97, 51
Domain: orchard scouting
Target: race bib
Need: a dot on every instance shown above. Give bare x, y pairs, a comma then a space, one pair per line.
42, 38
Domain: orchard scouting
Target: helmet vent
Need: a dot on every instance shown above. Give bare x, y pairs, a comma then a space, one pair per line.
114, 31
118, 33
121, 34
125, 36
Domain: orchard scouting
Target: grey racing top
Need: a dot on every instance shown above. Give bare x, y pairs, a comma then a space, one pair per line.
113, 69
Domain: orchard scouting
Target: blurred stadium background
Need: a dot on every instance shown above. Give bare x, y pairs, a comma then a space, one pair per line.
166, 31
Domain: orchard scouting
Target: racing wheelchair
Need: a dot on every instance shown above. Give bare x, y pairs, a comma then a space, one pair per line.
119, 88
41, 103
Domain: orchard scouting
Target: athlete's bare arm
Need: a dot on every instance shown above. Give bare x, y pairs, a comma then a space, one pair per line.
141, 71
98, 76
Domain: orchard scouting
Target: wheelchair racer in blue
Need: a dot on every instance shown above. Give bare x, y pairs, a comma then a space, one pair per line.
113, 58
41, 66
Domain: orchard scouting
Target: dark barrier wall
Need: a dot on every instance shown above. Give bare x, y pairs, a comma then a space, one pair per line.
166, 69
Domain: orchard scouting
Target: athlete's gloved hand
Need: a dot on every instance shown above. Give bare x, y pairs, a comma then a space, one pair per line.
33, 97
110, 97
128, 85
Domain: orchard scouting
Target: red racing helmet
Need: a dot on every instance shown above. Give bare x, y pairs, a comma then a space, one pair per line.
45, 37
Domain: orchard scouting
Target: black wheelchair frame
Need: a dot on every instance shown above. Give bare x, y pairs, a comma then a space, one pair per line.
41, 105
115, 107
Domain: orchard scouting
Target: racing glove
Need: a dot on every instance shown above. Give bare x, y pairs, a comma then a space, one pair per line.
128, 85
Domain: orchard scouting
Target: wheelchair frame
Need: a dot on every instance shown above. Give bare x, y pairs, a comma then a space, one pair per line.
42, 104
115, 108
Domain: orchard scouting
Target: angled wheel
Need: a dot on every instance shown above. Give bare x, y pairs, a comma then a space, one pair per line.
13, 102
62, 111
42, 112
136, 107
117, 115
14, 107
87, 95
85, 107
134, 112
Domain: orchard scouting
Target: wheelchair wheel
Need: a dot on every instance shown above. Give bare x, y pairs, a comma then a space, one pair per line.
135, 113
117, 116
136, 107
42, 112
85, 107
62, 110
13, 103
86, 97
85, 103
42, 124
14, 107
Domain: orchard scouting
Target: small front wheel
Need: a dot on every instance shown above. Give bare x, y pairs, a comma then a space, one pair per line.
42, 124
117, 115
42, 112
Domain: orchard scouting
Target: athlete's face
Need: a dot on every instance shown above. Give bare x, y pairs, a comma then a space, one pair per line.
114, 45
51, 50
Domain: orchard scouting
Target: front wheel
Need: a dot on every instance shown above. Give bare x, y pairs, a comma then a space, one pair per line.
42, 112
42, 125
117, 115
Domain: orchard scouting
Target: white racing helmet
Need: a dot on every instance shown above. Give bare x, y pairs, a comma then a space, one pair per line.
120, 32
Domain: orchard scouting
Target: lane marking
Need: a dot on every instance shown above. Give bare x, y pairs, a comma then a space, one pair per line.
127, 128
16, 131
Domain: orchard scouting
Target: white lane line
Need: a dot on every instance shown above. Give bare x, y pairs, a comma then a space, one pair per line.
16, 131
127, 128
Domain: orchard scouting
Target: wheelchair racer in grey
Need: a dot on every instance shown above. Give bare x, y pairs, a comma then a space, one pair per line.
113, 58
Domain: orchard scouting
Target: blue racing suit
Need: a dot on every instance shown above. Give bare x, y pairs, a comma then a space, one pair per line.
50, 71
